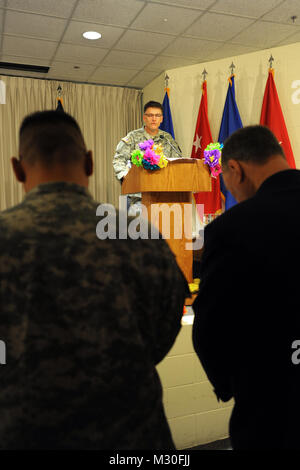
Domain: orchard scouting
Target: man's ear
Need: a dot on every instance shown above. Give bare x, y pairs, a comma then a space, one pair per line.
237, 170
88, 163
18, 170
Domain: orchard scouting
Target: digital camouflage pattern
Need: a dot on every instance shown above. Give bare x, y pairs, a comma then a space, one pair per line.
131, 142
84, 322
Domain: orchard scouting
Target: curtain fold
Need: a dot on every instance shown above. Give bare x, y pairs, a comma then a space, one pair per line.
105, 115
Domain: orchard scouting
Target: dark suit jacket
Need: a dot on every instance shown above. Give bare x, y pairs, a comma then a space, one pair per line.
247, 314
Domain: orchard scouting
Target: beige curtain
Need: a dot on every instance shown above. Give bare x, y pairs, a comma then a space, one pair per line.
105, 115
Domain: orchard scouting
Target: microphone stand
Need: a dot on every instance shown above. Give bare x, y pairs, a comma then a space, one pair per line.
171, 145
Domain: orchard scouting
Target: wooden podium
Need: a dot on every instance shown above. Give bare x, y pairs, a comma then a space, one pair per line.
166, 188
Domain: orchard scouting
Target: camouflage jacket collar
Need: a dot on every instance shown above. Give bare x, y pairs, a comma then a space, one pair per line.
149, 136
57, 187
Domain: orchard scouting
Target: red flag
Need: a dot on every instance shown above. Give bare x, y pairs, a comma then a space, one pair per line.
210, 199
272, 117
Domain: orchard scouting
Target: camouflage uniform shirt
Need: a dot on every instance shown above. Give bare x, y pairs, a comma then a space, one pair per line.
122, 158
84, 322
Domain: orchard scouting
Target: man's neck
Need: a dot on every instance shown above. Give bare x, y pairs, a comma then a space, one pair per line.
43, 175
150, 132
258, 174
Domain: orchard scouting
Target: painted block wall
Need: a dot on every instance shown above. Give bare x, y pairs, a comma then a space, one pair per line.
194, 414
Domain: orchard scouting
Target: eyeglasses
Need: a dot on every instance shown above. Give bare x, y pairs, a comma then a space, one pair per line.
154, 115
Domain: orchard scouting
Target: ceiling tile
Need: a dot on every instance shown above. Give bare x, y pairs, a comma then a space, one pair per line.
162, 63
112, 76
60, 8
34, 25
127, 59
80, 54
141, 41
228, 26
190, 47
290, 39
64, 69
28, 47
109, 34
153, 16
142, 79
201, 4
282, 13
264, 35
253, 8
111, 12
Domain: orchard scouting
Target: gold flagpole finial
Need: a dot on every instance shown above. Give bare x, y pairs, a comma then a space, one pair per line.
166, 81
204, 73
271, 60
167, 89
59, 91
232, 67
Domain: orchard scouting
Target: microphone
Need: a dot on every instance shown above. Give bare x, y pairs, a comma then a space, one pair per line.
162, 136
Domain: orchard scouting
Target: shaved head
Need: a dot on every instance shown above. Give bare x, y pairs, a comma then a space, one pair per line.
51, 148
51, 138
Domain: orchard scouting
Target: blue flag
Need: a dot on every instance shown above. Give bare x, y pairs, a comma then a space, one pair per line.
167, 124
231, 122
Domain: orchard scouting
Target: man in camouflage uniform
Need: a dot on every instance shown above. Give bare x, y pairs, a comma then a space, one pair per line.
84, 320
153, 117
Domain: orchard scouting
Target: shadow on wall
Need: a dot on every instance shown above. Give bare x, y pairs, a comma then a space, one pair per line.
215, 108
261, 80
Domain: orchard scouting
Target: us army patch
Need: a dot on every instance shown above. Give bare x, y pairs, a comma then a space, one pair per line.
126, 139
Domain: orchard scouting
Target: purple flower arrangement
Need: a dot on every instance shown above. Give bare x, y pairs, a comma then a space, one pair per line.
212, 158
149, 156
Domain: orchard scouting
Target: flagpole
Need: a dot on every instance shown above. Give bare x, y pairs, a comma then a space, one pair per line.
59, 106
167, 89
271, 60
59, 92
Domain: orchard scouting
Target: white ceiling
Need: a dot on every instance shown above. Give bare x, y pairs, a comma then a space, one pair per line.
140, 38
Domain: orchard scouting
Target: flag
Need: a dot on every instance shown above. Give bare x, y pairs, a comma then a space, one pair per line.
59, 106
167, 124
231, 122
272, 117
211, 199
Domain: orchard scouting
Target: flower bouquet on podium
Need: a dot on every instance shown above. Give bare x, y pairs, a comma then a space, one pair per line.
149, 156
212, 158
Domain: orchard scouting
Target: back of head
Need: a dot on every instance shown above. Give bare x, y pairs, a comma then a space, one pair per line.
251, 144
51, 138
153, 104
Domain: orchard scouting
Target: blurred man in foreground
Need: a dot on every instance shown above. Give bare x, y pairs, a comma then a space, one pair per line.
84, 320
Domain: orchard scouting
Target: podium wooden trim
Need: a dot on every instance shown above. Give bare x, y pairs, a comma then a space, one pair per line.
162, 189
181, 175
